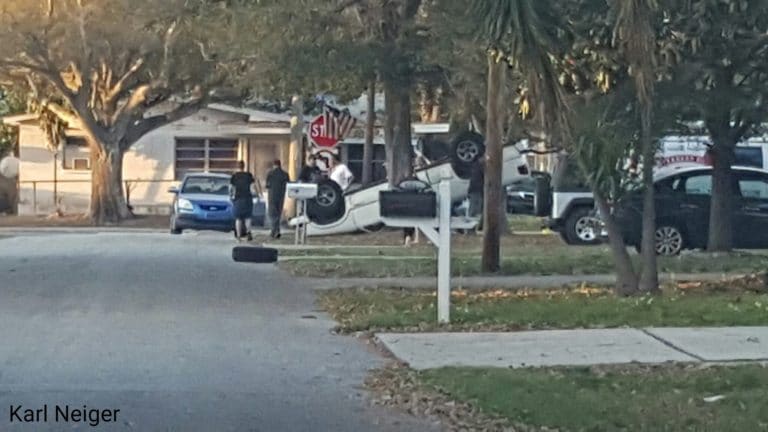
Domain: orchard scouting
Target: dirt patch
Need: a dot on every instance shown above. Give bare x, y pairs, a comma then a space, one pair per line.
757, 283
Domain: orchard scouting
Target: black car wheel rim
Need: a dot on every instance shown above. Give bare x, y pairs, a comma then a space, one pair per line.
326, 196
669, 241
467, 151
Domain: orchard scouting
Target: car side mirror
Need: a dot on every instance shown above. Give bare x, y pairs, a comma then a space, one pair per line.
173, 190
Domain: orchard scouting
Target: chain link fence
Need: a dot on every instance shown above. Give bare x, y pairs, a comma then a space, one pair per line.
36, 197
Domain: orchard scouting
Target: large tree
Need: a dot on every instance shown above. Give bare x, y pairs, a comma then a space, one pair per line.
721, 80
521, 34
117, 69
636, 33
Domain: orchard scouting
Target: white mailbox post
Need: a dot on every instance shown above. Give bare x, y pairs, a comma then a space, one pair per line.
438, 231
301, 192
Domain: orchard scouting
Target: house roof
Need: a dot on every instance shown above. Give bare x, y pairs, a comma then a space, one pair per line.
254, 116
15, 120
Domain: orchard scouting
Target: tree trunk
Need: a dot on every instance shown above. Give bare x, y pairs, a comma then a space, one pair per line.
626, 279
397, 131
296, 149
370, 130
108, 204
437, 103
425, 103
504, 228
491, 260
721, 210
649, 276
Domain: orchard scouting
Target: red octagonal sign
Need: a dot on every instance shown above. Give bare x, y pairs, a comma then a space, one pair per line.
320, 134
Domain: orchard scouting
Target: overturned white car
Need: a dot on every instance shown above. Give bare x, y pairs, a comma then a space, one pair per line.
335, 212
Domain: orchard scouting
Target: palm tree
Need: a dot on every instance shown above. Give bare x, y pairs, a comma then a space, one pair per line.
519, 34
635, 32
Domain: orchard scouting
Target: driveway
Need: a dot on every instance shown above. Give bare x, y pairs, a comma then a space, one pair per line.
174, 334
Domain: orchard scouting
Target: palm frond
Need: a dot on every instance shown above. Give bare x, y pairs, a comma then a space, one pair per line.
634, 31
524, 31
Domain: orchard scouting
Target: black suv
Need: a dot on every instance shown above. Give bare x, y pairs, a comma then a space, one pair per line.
683, 199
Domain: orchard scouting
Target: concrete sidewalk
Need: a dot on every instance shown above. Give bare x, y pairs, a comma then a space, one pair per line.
509, 282
579, 347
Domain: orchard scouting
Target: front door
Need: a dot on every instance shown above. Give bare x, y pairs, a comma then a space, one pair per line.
751, 221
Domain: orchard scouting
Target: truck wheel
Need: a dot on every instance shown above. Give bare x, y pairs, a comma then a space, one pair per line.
328, 206
466, 149
254, 254
581, 227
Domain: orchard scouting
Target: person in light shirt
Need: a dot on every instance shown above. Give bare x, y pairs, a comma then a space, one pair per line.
340, 173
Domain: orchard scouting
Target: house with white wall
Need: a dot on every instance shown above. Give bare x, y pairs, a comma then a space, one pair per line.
213, 139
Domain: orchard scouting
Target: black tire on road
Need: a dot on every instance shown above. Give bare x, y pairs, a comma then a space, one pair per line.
254, 254
174, 229
328, 207
577, 229
466, 148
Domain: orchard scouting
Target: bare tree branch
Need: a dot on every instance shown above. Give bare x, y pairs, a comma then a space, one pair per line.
146, 125
167, 45
117, 89
125, 112
64, 114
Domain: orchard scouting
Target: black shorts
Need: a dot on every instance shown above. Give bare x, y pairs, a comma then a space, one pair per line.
242, 208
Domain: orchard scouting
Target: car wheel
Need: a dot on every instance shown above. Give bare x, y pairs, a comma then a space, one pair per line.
466, 149
328, 206
175, 230
254, 254
669, 240
582, 227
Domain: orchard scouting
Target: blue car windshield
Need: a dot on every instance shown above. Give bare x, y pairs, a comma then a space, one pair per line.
206, 185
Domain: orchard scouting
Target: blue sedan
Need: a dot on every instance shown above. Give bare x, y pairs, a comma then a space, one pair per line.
202, 203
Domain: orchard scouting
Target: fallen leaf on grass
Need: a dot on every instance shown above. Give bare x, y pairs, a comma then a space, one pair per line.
711, 399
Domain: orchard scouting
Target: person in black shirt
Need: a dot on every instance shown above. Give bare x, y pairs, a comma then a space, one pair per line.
310, 173
242, 201
277, 179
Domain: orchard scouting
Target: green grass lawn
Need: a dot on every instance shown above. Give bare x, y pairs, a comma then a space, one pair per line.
527, 260
637, 399
394, 309
524, 223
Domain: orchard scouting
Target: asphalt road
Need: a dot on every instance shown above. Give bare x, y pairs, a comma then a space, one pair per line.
176, 336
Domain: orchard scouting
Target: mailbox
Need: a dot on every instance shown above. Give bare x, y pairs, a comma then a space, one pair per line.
301, 191
408, 204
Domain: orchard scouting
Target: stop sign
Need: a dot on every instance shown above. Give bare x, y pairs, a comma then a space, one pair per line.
320, 135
